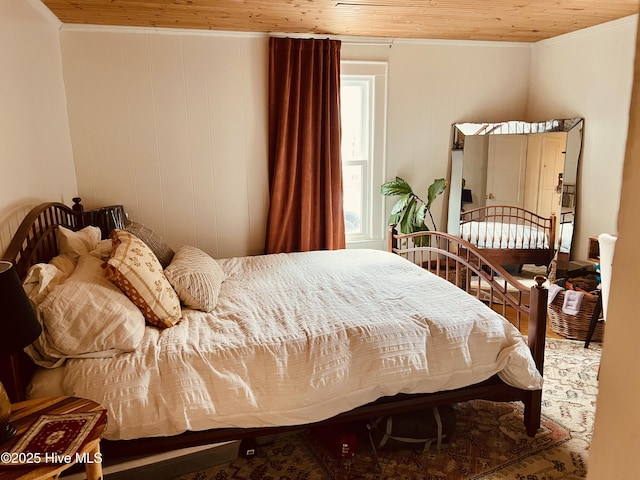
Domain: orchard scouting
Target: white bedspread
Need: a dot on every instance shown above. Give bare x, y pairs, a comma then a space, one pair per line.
503, 235
299, 338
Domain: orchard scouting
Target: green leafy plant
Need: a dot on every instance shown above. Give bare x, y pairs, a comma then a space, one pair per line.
410, 211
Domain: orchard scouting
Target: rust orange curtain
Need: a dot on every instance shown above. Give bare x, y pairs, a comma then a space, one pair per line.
305, 170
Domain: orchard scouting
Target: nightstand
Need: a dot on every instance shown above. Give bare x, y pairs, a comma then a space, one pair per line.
24, 414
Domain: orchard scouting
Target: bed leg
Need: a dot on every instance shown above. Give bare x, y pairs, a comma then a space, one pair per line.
533, 412
536, 340
538, 321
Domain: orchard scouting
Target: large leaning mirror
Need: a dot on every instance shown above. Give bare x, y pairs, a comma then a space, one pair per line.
529, 165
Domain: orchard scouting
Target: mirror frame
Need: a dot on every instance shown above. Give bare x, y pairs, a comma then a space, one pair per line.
464, 129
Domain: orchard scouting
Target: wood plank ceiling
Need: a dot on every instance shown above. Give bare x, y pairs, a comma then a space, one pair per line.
498, 20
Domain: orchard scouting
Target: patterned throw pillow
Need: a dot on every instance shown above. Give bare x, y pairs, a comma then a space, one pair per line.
134, 268
196, 277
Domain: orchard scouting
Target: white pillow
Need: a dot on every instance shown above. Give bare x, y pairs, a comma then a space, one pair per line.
77, 243
65, 263
103, 250
40, 280
196, 278
88, 316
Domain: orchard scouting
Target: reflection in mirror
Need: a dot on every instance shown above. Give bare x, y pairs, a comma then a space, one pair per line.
530, 166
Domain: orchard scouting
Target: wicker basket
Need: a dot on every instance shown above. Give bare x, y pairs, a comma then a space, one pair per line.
447, 270
575, 327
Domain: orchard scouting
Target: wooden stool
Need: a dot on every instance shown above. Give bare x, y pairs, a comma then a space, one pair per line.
24, 414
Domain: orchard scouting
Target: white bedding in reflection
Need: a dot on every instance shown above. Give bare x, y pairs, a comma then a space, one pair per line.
503, 235
298, 338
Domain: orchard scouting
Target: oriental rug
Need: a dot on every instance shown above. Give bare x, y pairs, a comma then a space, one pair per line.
490, 441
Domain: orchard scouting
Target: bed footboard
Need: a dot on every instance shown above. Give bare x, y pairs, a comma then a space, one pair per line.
467, 267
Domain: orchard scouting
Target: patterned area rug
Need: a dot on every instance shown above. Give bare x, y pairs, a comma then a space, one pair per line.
489, 443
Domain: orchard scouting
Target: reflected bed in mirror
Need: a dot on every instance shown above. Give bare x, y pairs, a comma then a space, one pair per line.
530, 166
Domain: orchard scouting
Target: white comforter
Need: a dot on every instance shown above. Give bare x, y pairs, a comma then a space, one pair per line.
503, 235
299, 338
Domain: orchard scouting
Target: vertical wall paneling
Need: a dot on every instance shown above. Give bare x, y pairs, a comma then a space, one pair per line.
254, 106
99, 119
173, 126
144, 203
202, 168
174, 151
223, 60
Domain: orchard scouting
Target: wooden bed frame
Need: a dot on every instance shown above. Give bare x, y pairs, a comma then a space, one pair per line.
513, 216
35, 241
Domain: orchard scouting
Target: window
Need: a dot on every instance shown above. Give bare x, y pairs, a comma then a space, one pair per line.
363, 111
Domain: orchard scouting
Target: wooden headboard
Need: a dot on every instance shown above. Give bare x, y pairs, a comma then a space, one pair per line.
35, 242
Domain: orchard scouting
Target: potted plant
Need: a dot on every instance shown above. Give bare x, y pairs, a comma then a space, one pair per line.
410, 211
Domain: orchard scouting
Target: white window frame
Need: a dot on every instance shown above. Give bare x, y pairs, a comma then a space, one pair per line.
373, 222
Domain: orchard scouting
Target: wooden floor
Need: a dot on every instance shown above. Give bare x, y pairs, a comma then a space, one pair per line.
551, 333
524, 321
526, 276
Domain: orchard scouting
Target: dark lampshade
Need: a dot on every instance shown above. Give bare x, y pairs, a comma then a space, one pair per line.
17, 317
466, 196
106, 218
20, 326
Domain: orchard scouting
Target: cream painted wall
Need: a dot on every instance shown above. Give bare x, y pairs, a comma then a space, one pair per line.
173, 126
434, 85
35, 146
589, 74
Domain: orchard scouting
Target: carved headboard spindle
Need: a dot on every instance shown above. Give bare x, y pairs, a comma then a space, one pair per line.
35, 242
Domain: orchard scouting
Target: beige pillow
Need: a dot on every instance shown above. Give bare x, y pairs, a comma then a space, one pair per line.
65, 263
89, 316
102, 250
77, 243
196, 277
40, 280
135, 269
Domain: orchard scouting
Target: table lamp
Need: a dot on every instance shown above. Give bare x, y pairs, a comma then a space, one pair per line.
20, 328
106, 218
